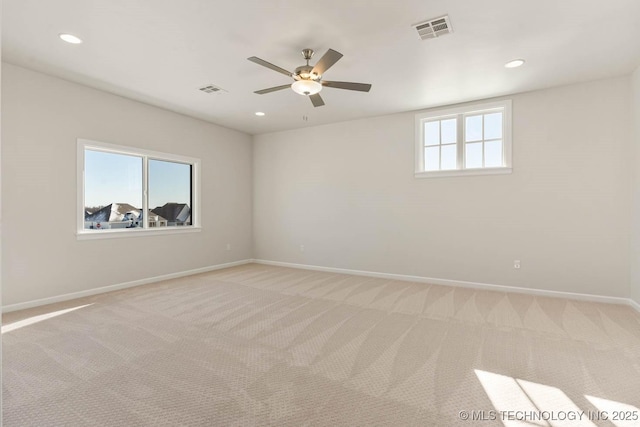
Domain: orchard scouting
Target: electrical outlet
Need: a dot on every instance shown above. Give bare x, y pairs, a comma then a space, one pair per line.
516, 264
228, 246
301, 248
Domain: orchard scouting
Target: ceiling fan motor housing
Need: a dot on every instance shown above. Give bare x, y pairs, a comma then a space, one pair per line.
304, 72
306, 81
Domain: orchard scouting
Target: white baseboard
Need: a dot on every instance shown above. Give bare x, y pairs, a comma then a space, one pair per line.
472, 285
391, 276
101, 290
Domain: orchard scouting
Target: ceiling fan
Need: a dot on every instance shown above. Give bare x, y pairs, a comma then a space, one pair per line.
308, 79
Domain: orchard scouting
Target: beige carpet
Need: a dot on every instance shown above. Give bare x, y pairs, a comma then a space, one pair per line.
262, 345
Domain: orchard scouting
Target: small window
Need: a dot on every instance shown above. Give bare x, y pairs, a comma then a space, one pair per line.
124, 191
470, 140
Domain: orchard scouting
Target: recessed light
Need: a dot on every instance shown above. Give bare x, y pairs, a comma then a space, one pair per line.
514, 64
259, 113
70, 38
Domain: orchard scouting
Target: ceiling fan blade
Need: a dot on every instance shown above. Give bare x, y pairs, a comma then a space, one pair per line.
272, 89
327, 61
361, 87
316, 100
269, 65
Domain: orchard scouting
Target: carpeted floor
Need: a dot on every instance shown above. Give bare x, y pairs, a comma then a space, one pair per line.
262, 345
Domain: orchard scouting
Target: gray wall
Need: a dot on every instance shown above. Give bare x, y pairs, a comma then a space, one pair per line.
635, 218
42, 118
346, 192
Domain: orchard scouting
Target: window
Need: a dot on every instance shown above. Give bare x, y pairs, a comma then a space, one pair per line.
470, 140
125, 191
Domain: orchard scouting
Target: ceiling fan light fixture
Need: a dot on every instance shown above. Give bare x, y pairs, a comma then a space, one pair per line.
306, 87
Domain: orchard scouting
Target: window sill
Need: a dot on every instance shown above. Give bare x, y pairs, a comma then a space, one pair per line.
124, 233
463, 172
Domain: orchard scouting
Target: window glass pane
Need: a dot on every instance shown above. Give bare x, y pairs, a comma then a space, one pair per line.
473, 155
432, 133
112, 190
473, 128
169, 194
432, 158
448, 160
493, 126
493, 154
449, 131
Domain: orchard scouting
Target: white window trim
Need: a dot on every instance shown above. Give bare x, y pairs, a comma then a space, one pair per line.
465, 110
83, 234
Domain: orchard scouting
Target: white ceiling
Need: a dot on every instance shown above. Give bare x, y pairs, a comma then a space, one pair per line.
161, 51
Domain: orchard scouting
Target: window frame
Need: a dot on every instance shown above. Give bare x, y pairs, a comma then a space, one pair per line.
146, 155
460, 113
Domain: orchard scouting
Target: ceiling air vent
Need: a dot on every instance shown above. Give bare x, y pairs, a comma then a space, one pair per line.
211, 89
434, 28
